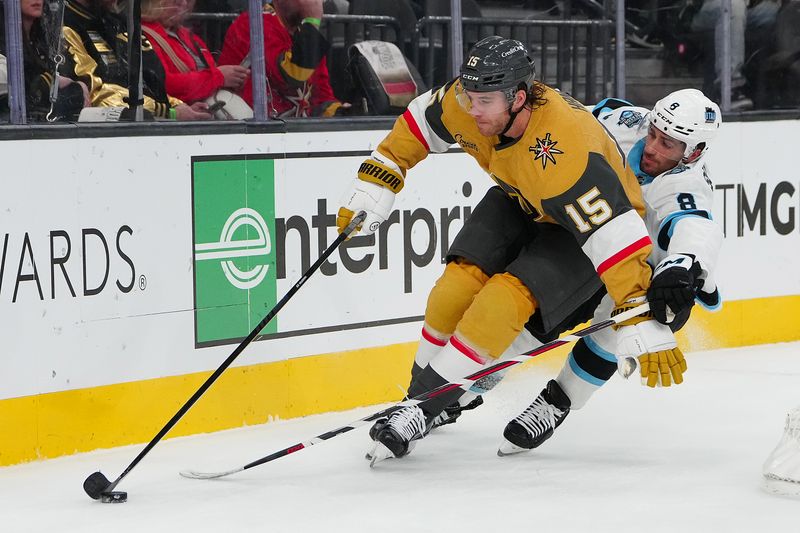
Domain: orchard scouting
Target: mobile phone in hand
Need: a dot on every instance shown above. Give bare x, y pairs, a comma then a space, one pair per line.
216, 106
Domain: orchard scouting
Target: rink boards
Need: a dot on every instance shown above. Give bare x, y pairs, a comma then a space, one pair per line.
130, 270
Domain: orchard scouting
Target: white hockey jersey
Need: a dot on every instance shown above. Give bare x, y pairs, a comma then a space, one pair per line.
678, 202
678, 219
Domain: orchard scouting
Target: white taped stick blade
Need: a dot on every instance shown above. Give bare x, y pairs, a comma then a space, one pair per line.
193, 474
626, 366
782, 468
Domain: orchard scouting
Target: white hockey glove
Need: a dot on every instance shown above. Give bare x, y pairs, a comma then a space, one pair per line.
373, 191
651, 346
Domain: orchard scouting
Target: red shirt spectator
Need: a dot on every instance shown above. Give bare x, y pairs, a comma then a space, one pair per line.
191, 73
202, 80
297, 71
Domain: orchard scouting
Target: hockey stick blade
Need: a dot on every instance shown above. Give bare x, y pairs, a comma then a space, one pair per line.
464, 384
93, 484
191, 474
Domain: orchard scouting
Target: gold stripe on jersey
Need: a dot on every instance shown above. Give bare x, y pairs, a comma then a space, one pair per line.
85, 65
294, 73
331, 109
102, 94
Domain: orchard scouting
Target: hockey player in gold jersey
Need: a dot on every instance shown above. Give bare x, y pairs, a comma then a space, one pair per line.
665, 148
563, 226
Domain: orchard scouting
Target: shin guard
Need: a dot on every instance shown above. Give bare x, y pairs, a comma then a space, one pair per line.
587, 368
455, 361
430, 344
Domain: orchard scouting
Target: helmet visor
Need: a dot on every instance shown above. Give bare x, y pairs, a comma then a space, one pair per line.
482, 103
665, 147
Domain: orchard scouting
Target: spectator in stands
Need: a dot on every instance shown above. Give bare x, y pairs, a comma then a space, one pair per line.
294, 50
708, 19
191, 73
752, 24
419, 7
39, 68
96, 48
776, 67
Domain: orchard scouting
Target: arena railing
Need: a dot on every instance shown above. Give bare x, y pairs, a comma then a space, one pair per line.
573, 55
341, 31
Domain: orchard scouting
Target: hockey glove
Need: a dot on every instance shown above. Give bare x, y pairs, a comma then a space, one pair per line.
673, 288
373, 191
651, 346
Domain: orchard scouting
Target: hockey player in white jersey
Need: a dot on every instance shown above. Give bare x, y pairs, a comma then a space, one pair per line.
664, 147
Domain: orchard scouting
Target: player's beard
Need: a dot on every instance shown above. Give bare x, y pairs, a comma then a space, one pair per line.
648, 164
491, 125
655, 164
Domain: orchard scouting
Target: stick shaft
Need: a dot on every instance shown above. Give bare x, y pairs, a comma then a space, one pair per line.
464, 384
240, 348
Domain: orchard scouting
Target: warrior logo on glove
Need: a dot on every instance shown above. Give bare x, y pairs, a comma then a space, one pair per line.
377, 173
373, 191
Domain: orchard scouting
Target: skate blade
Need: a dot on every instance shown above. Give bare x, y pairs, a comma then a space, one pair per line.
780, 486
379, 453
507, 448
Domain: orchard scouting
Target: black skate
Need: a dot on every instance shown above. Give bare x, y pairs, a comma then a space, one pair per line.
396, 435
536, 423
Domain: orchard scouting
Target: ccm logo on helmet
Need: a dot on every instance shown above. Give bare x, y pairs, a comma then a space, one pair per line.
663, 117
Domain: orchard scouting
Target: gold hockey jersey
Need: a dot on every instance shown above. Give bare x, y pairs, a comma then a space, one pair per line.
565, 169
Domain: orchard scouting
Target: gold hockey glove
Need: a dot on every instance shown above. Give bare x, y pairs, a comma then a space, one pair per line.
644, 342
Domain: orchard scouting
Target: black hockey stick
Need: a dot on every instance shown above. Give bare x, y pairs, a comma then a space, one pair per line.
98, 486
465, 383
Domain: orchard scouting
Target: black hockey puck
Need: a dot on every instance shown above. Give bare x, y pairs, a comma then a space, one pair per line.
114, 497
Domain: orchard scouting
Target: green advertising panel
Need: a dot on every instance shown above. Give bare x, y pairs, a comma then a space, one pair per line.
234, 252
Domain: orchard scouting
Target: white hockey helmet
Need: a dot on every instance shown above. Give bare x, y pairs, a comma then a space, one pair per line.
688, 116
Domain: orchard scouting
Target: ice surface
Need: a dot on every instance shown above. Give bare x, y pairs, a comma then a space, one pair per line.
686, 458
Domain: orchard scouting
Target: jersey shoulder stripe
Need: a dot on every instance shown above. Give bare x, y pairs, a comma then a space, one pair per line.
435, 110
667, 227
414, 128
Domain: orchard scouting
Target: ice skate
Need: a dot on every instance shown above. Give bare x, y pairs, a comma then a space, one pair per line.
396, 435
782, 467
536, 423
